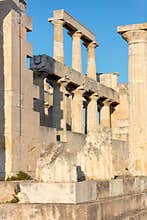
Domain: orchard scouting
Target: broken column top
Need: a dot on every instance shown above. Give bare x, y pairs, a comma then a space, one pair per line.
72, 25
132, 27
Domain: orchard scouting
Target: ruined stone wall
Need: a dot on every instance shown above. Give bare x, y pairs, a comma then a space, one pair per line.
21, 135
34, 116
120, 116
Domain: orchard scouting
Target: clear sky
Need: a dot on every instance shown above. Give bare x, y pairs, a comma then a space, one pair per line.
100, 16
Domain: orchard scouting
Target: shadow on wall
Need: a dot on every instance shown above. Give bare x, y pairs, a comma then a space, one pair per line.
5, 7
48, 104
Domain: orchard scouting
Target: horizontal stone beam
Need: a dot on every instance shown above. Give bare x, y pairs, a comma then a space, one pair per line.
46, 66
132, 27
72, 24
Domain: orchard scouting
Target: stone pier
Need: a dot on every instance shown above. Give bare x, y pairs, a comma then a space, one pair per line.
136, 37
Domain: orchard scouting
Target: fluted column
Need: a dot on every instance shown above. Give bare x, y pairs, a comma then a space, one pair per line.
58, 40
105, 116
91, 67
92, 113
77, 111
76, 51
136, 36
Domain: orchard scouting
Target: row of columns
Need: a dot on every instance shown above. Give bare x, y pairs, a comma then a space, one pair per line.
71, 115
76, 49
76, 112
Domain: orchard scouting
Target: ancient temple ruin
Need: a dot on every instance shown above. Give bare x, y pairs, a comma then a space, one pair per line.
82, 138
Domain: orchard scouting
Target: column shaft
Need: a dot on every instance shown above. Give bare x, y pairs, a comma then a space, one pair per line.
92, 114
77, 111
58, 40
76, 51
105, 117
91, 68
60, 106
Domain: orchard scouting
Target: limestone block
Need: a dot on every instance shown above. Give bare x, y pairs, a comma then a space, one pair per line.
57, 192
116, 187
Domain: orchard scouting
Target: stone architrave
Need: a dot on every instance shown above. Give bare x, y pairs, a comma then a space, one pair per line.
136, 37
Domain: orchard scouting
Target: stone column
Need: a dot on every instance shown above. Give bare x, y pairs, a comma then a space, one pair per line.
105, 116
59, 104
58, 40
91, 68
92, 113
76, 51
77, 111
136, 37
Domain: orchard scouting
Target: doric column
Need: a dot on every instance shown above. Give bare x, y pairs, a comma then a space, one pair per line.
91, 67
60, 104
76, 51
58, 40
105, 115
92, 113
77, 111
136, 36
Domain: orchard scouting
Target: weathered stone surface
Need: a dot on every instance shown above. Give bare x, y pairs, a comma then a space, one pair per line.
63, 162
104, 209
120, 155
70, 193
120, 116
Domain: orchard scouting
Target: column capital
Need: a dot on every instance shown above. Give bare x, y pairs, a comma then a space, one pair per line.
79, 90
77, 34
63, 81
107, 102
133, 33
94, 97
57, 21
92, 44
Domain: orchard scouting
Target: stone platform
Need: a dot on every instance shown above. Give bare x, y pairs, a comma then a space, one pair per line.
123, 198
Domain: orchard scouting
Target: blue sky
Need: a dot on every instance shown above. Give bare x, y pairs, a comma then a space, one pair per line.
100, 16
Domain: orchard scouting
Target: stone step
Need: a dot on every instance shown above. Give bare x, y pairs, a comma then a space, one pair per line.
133, 215
104, 209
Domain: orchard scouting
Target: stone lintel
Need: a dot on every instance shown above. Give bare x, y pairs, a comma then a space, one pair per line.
131, 27
72, 24
47, 66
